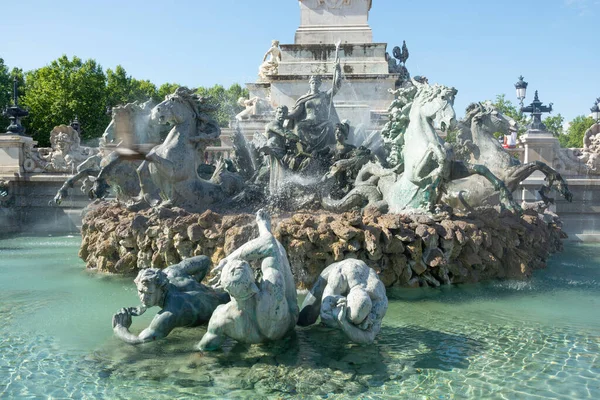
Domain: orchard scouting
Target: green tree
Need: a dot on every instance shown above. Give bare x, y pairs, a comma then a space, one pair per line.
577, 128
165, 89
142, 90
56, 93
227, 99
6, 86
122, 88
554, 124
507, 108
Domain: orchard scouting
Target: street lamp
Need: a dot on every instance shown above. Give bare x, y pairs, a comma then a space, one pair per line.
596, 111
536, 108
15, 113
521, 87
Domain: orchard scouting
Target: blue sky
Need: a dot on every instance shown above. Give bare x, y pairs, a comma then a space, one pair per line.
479, 47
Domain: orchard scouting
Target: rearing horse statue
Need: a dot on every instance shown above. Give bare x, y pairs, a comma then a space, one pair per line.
426, 164
168, 176
478, 145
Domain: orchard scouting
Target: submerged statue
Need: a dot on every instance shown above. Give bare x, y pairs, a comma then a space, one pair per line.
349, 296
177, 290
314, 117
477, 145
259, 310
271, 62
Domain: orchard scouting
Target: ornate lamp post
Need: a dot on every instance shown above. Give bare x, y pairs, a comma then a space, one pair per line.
15, 113
521, 87
596, 111
536, 109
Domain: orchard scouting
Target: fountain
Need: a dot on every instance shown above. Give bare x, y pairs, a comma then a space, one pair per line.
300, 207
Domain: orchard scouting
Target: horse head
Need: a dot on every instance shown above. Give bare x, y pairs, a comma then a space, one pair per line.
487, 119
177, 108
436, 104
186, 106
130, 125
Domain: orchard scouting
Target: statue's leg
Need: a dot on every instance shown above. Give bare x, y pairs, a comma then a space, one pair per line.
149, 191
272, 311
521, 172
167, 167
311, 307
69, 184
462, 170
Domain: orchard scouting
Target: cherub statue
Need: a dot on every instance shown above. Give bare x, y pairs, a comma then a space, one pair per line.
271, 61
65, 152
177, 290
259, 310
349, 296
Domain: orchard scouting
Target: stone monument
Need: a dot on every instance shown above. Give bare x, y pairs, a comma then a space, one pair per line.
326, 21
323, 23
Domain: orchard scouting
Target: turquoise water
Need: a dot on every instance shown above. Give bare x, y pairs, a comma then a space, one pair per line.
501, 340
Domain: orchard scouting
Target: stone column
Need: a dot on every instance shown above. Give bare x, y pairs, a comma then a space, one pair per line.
540, 146
12, 154
327, 21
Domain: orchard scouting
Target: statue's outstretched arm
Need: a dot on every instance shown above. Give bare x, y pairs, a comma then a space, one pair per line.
255, 249
197, 267
214, 336
296, 111
162, 324
356, 334
337, 80
267, 54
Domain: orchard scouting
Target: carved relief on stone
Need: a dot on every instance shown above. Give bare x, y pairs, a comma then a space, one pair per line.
64, 155
334, 3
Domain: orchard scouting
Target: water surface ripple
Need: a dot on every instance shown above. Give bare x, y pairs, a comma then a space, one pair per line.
536, 339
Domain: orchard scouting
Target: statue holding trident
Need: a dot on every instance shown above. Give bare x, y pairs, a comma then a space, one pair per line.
314, 118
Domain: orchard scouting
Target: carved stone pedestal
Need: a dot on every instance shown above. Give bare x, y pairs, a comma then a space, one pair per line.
12, 154
540, 146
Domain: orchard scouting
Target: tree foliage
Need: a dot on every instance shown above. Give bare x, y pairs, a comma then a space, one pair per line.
165, 89
507, 108
65, 89
577, 128
69, 88
122, 88
554, 124
227, 100
6, 86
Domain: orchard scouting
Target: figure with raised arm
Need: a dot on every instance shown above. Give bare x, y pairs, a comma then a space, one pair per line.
177, 290
259, 310
314, 117
349, 296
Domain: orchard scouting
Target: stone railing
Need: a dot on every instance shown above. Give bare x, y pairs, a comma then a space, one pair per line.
214, 153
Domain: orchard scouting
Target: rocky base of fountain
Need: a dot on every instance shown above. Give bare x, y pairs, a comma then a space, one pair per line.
406, 250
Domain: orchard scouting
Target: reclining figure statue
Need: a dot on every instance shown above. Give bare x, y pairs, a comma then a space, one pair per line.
349, 296
178, 292
259, 310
